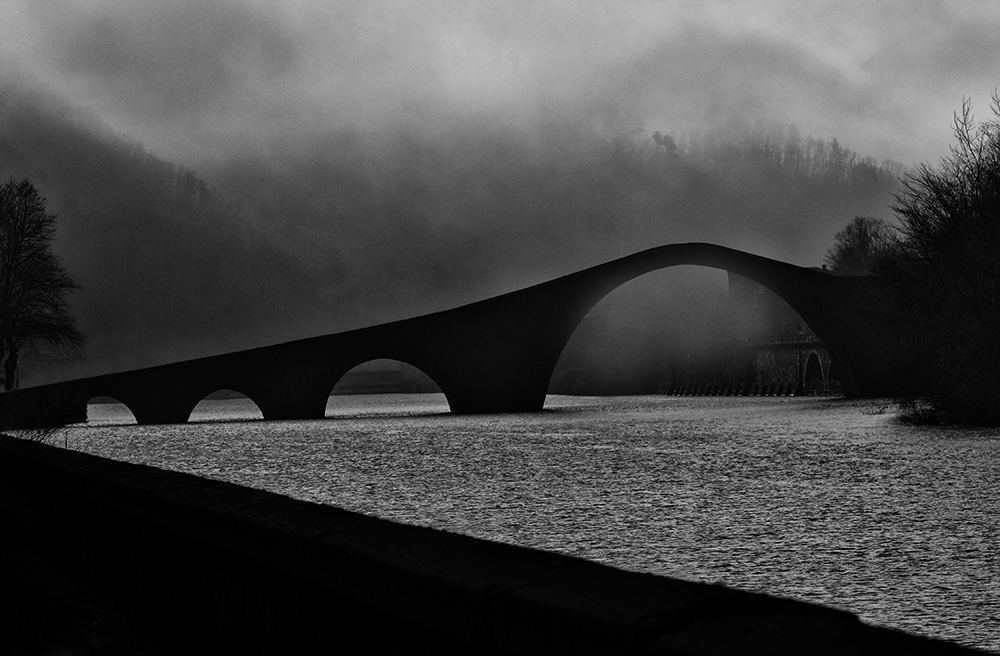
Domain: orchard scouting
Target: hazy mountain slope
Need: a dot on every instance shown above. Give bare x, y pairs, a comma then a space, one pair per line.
167, 267
450, 209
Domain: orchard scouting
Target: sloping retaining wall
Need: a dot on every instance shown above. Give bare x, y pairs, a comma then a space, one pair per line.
189, 565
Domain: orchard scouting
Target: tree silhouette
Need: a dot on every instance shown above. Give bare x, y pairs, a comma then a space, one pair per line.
34, 311
857, 247
666, 141
944, 272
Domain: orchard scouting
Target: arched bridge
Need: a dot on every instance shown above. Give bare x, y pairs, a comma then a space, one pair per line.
495, 355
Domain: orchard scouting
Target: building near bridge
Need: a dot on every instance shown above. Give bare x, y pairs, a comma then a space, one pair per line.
770, 349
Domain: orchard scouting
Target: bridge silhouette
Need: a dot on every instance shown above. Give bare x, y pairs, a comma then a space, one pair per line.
494, 355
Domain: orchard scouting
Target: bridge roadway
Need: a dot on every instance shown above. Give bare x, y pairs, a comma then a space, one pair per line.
495, 355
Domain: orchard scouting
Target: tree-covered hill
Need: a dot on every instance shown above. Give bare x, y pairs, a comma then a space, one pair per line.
168, 268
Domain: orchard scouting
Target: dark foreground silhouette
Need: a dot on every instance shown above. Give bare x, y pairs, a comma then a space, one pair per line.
106, 557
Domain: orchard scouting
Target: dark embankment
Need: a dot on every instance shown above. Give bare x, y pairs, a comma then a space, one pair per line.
105, 557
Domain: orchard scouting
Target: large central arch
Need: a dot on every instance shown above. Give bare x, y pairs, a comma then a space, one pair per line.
839, 309
495, 355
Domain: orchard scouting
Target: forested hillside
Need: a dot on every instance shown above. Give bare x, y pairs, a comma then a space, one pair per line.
168, 268
478, 201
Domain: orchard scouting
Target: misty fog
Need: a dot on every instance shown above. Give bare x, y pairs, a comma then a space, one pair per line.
241, 173
364, 227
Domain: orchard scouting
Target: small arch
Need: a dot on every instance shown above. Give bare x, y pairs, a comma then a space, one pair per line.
814, 370
813, 381
108, 411
384, 376
225, 405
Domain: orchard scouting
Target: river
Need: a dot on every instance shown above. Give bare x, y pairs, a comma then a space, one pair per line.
824, 500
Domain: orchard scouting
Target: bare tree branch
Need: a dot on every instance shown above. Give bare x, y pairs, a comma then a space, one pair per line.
943, 268
34, 288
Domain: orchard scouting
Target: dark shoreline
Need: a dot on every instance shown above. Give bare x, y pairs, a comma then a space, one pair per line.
107, 557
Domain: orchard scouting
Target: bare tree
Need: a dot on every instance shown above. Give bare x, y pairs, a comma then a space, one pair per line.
858, 246
34, 310
944, 273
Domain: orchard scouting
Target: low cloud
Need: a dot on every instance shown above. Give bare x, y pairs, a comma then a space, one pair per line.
191, 79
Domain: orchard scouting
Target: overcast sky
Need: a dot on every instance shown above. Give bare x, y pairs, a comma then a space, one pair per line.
200, 79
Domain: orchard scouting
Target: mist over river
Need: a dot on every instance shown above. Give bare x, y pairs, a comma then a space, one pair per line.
823, 500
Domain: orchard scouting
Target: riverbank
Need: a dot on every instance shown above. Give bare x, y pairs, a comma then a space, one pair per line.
126, 558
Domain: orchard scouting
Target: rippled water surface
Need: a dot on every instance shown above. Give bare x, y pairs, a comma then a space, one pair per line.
827, 501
